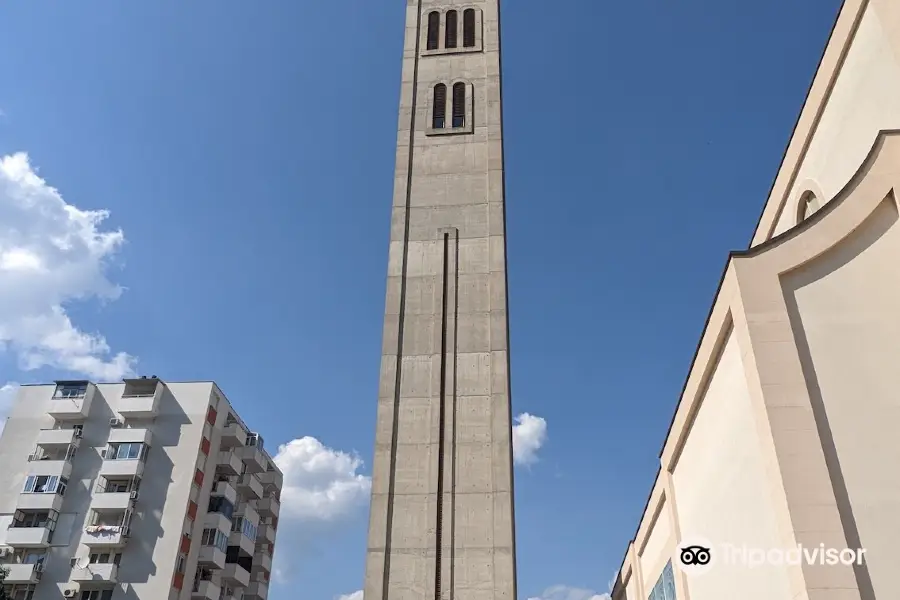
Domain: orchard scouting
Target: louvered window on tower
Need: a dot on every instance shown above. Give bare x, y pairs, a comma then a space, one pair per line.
469, 28
459, 104
439, 110
450, 36
434, 27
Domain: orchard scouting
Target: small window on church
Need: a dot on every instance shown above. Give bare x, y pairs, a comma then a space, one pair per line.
809, 204
434, 26
459, 104
451, 25
469, 28
439, 110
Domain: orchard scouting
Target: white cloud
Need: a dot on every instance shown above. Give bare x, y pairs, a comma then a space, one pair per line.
7, 395
357, 595
320, 483
564, 592
529, 434
51, 253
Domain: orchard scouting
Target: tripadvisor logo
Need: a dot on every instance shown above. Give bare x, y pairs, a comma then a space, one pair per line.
696, 556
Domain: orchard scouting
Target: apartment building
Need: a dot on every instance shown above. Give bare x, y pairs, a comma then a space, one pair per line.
140, 490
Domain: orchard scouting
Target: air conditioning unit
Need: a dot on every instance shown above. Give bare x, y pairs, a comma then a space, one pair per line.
70, 593
134, 495
32, 457
114, 422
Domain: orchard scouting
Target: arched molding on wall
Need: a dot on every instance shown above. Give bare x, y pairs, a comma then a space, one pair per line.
468, 125
460, 9
808, 199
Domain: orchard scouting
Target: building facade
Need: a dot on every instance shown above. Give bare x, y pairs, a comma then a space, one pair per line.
137, 490
441, 520
785, 432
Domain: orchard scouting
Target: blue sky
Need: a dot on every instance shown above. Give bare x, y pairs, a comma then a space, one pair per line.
247, 158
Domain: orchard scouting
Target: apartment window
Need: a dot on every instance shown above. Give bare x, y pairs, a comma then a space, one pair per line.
117, 486
246, 527
439, 109
35, 519
665, 585
180, 563
75, 389
459, 104
220, 504
105, 558
22, 593
96, 595
450, 33
215, 538
434, 28
45, 484
469, 28
31, 557
126, 451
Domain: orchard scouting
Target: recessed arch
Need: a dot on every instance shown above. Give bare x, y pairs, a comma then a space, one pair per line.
469, 28
439, 107
434, 30
451, 24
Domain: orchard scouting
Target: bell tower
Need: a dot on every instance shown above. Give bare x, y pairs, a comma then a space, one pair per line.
441, 522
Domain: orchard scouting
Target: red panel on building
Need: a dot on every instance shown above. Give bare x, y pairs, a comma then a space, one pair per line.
192, 510
204, 446
178, 581
211, 415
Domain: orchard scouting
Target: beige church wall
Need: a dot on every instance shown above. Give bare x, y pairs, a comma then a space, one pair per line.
845, 312
657, 547
864, 100
722, 491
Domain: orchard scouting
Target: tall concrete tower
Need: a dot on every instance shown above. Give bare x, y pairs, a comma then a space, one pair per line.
441, 523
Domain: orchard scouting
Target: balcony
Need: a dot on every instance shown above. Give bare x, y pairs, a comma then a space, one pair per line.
28, 537
140, 400
23, 574
248, 513
236, 574
130, 435
238, 539
225, 489
233, 436
266, 534
211, 557
59, 437
253, 458
207, 590
257, 589
262, 560
109, 536
268, 507
216, 520
71, 401
229, 463
125, 459
40, 502
122, 468
272, 480
98, 573
112, 501
250, 486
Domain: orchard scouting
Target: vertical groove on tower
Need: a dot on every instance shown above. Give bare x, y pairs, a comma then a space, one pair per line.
395, 424
442, 422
